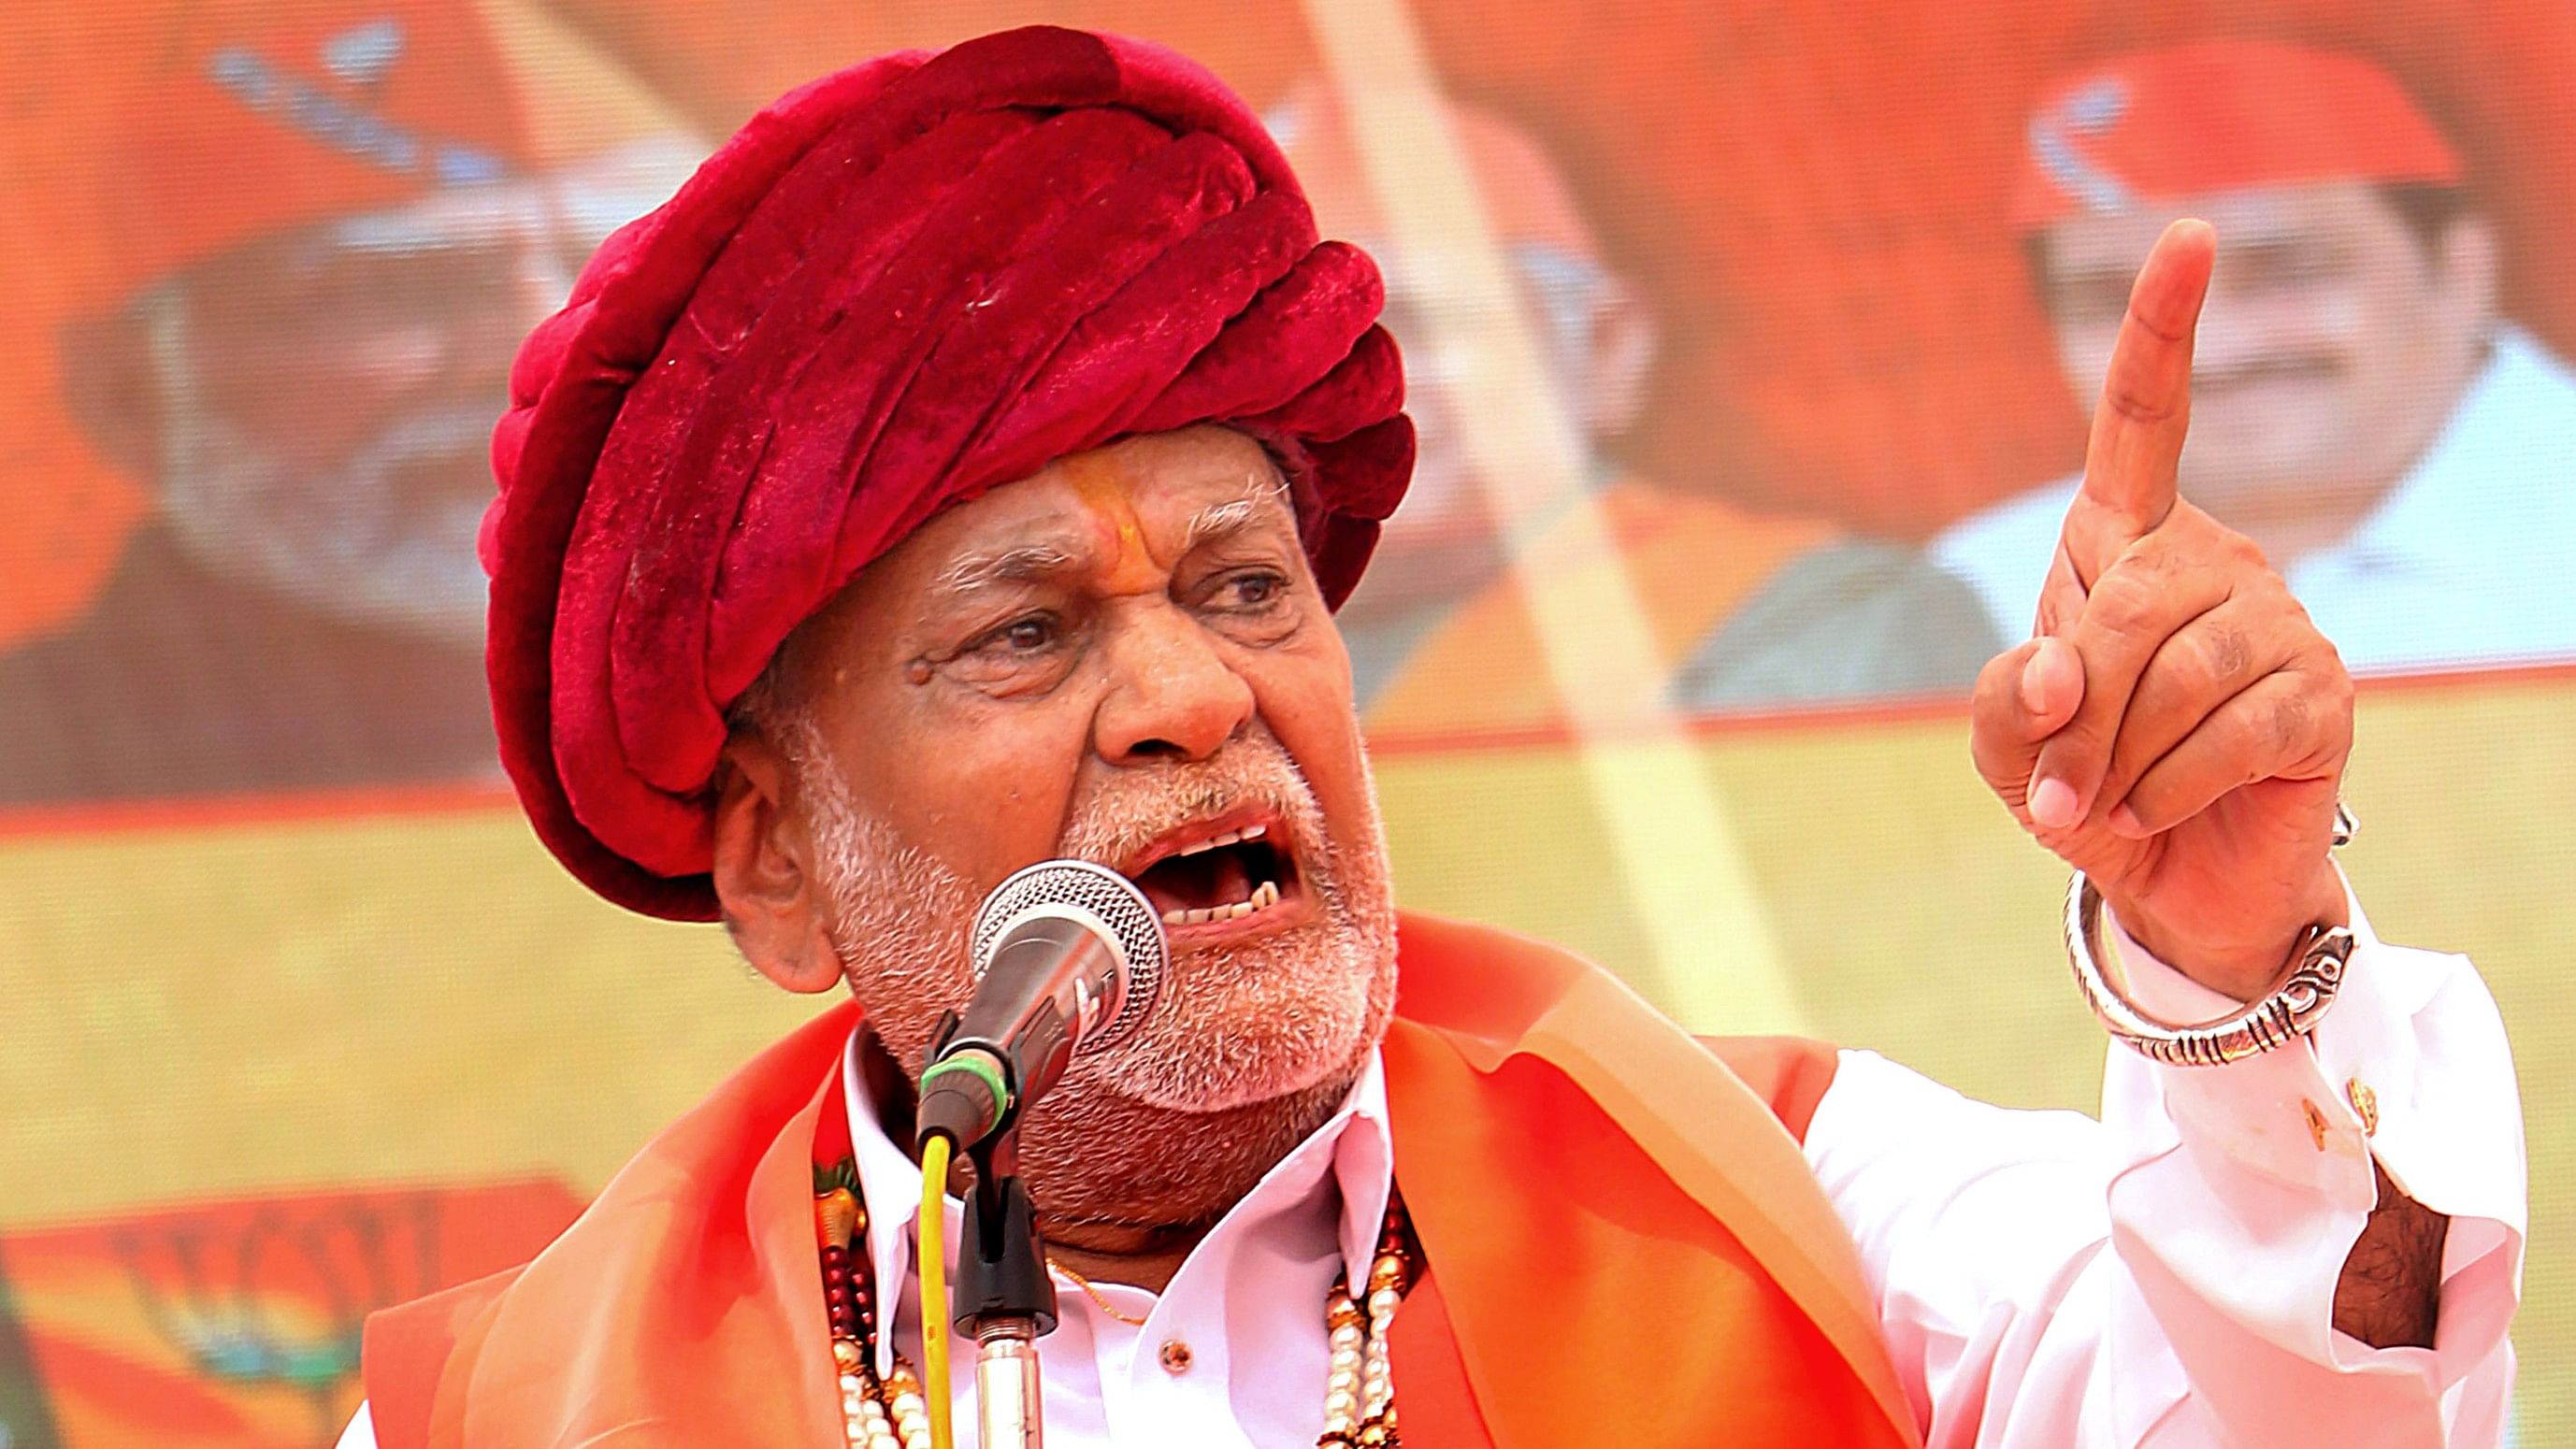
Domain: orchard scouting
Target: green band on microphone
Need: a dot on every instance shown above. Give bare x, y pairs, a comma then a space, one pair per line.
980, 1065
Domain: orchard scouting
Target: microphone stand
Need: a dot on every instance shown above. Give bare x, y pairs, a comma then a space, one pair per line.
1003, 1297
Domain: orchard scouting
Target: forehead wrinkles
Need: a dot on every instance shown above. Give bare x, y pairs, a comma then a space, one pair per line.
1059, 546
1102, 487
1106, 491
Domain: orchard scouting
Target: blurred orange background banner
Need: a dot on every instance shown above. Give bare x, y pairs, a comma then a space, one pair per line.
297, 1020
1813, 193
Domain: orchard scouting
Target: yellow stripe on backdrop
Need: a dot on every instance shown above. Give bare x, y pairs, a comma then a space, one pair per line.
1708, 951
195, 1013
191, 1013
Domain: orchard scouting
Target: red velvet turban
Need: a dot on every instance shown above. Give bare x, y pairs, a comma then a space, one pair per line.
892, 290
2220, 115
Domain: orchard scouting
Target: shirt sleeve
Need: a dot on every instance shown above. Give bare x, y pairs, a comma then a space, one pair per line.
2166, 1275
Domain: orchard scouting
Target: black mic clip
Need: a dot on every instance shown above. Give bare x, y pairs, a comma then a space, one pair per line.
1001, 1270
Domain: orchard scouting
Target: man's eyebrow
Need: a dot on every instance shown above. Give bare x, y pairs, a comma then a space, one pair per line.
1022, 562
1016, 564
1218, 520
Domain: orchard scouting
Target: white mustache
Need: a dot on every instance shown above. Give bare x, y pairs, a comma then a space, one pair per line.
1109, 829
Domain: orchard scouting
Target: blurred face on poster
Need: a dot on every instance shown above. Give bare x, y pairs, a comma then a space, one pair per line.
2344, 321
313, 408
1595, 342
1593, 335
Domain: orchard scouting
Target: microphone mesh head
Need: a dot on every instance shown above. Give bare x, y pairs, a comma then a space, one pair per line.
1111, 902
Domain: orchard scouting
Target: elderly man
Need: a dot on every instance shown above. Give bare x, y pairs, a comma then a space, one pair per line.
960, 472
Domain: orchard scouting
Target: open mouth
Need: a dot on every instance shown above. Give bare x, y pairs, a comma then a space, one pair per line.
1219, 872
2301, 371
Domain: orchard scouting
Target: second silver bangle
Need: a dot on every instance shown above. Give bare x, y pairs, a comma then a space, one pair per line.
2290, 1010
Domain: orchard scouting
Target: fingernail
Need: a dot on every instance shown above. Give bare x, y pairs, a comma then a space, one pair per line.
2033, 697
2124, 822
2052, 803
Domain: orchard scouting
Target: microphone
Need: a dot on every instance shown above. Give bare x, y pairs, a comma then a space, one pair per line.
1069, 957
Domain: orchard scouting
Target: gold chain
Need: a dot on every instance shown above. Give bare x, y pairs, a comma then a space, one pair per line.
1091, 1293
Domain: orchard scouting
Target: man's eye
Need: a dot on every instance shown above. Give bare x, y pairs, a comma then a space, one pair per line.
2092, 296
2281, 267
1022, 636
1255, 590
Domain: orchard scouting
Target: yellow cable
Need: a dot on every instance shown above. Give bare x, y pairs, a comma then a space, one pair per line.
932, 1233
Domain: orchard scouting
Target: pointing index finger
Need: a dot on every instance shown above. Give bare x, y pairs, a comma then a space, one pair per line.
2138, 425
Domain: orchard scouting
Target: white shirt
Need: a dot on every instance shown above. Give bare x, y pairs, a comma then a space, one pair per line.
2466, 562
2042, 1278
1246, 1306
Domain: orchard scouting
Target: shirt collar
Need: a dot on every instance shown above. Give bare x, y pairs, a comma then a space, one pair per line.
1363, 1167
1353, 1153
2477, 473
2470, 497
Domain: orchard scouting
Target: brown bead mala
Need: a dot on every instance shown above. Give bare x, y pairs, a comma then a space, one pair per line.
887, 1413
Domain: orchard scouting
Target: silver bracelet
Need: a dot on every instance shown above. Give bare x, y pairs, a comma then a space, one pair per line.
2284, 1014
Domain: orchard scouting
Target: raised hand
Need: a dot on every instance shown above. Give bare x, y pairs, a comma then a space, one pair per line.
2175, 727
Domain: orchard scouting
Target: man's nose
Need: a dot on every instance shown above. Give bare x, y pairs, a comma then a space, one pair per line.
2228, 339
1171, 693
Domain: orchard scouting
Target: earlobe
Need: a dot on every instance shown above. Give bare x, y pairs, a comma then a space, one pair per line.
2470, 258
763, 877
108, 383
1624, 341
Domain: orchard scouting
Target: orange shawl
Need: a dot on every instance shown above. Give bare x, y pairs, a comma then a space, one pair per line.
1623, 1245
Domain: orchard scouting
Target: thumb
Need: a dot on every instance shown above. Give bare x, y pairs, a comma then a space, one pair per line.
2023, 696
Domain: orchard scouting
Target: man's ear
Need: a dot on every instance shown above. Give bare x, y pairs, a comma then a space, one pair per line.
2472, 267
764, 870
1622, 342
110, 388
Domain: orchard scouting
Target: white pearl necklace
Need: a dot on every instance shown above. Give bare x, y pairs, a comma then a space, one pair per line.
1359, 1379
887, 1415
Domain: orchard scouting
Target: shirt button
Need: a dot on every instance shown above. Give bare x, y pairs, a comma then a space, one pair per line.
2365, 1105
2316, 1122
1175, 1357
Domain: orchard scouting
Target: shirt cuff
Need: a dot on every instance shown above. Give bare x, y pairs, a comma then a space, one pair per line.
2409, 1067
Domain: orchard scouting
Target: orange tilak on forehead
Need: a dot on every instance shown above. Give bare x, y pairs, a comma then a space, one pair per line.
1106, 491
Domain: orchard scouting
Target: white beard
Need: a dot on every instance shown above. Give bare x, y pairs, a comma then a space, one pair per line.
1235, 1026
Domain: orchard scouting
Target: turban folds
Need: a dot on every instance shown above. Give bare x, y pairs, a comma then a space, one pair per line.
895, 288
2220, 115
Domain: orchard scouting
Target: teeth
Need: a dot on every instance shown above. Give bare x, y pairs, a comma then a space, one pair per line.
1264, 896
1231, 837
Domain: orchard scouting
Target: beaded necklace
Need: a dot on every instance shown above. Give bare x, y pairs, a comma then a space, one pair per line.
890, 1412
